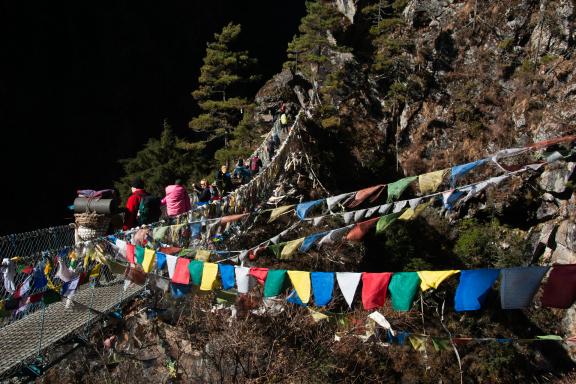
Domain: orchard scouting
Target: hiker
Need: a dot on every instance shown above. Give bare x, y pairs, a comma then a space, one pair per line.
242, 172
270, 149
223, 180
133, 203
214, 193
255, 164
177, 200
203, 192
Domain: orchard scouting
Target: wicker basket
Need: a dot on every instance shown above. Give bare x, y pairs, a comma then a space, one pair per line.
91, 225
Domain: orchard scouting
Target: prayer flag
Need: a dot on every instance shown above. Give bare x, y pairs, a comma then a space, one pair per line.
359, 215
518, 286
334, 235
473, 288
23, 289
385, 221
460, 170
310, 240
158, 233
226, 276
171, 262
8, 269
274, 282
359, 230
333, 200
69, 287
374, 287
242, 279
348, 283
259, 274
148, 262
139, 254
196, 268
232, 218
290, 248
277, 212
429, 182
365, 193
317, 316
418, 343
121, 244
203, 254
63, 272
322, 286
403, 287
160, 260
560, 288
432, 279
396, 188
276, 249
301, 282
181, 273
40, 280
209, 272
303, 208
130, 251
440, 344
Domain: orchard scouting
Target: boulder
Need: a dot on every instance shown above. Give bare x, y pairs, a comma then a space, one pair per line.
554, 178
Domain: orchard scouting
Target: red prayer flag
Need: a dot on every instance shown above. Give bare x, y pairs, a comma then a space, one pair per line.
363, 194
560, 289
231, 218
130, 248
181, 272
360, 229
374, 287
260, 274
557, 140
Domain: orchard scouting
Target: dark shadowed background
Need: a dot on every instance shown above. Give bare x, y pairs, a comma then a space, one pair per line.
86, 83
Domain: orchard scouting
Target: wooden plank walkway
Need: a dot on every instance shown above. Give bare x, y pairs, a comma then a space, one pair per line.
20, 340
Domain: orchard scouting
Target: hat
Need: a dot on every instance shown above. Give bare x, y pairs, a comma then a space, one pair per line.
137, 183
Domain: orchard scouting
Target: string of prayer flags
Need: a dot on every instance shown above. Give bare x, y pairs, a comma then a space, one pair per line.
242, 275
301, 283
449, 198
560, 288
385, 221
322, 286
130, 251
371, 192
429, 182
462, 169
334, 235
290, 248
403, 287
259, 274
196, 268
303, 208
473, 288
333, 200
181, 273
209, 274
432, 279
274, 282
518, 286
277, 212
310, 240
359, 230
171, 265
396, 188
348, 283
374, 287
148, 262
227, 276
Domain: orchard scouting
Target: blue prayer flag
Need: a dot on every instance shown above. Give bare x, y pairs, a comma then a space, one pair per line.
40, 280
473, 288
227, 276
195, 229
160, 260
303, 208
462, 169
310, 240
322, 286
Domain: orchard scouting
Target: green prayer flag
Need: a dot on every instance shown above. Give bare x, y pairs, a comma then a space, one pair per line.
440, 344
385, 221
403, 287
158, 233
139, 252
550, 337
196, 267
276, 248
274, 282
396, 188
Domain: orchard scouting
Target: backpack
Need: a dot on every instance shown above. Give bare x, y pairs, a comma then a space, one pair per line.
149, 210
254, 166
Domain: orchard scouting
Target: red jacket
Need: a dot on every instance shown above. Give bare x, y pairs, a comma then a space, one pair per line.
132, 205
177, 200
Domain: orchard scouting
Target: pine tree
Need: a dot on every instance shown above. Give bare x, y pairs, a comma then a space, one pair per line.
221, 85
308, 50
160, 163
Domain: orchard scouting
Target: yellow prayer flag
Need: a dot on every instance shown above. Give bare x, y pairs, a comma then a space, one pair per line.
203, 254
411, 214
276, 212
95, 272
291, 247
407, 214
418, 342
317, 316
209, 273
301, 282
432, 279
148, 262
429, 182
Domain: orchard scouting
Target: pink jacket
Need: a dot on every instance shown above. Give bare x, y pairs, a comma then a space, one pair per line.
177, 200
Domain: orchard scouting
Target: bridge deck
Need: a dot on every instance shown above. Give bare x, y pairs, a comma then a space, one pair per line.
20, 340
